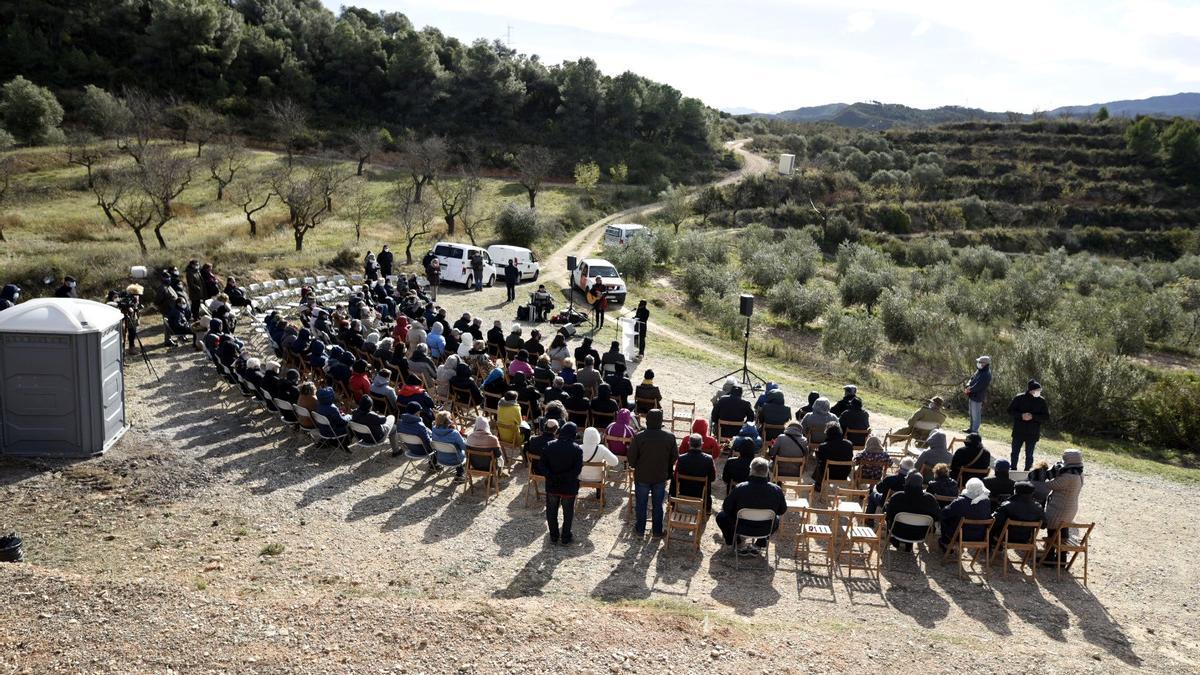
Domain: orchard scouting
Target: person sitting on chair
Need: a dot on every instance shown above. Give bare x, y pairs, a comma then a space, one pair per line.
972, 504
514, 341
774, 410
567, 372
536, 445
647, 396
621, 427
610, 359
1022, 506
942, 484
999, 484
620, 385
708, 443
589, 377
604, 403
856, 418
534, 344
928, 416
412, 424
595, 451
790, 444
695, 463
380, 425
889, 485
542, 303
756, 493
482, 438
737, 468
381, 385
360, 382
179, 320
972, 455
935, 453
815, 422
873, 460
338, 423
444, 432
462, 380
520, 365
913, 499
731, 408
834, 449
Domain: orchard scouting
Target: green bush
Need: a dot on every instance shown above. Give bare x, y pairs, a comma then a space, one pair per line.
518, 226
699, 247
30, 112
635, 260
892, 218
857, 337
663, 245
902, 319
718, 278
801, 303
575, 217
722, 311
975, 260
836, 230
1167, 413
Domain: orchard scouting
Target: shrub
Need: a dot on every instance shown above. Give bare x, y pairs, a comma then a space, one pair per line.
635, 260
518, 225
975, 260
902, 320
30, 112
722, 311
1033, 289
1168, 412
344, 259
663, 245
795, 258
862, 284
892, 218
718, 278
702, 248
857, 337
801, 303
6, 140
575, 217
836, 230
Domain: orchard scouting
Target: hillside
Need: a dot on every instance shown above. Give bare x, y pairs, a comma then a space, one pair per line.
1182, 105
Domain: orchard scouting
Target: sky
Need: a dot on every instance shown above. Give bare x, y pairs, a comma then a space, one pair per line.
773, 55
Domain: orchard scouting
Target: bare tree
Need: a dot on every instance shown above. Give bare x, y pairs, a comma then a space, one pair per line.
109, 188
291, 124
365, 142
414, 216
8, 168
475, 217
456, 196
124, 203
308, 196
424, 160
84, 151
202, 126
252, 194
224, 162
163, 177
361, 205
534, 163
137, 211
676, 206
145, 119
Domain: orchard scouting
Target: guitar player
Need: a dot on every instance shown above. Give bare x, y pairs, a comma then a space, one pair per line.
598, 297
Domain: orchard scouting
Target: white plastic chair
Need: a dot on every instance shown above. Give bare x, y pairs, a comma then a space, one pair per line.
912, 520
752, 516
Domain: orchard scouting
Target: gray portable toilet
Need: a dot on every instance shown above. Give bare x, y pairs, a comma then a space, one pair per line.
62, 392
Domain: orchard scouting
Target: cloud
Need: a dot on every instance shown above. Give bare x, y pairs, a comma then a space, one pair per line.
921, 28
860, 22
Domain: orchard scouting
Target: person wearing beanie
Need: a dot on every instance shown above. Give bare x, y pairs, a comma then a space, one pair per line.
888, 485
651, 456
912, 499
1021, 506
1062, 505
695, 463
808, 407
1028, 411
774, 410
360, 381
855, 419
972, 455
412, 424
380, 425
817, 419
834, 449
972, 504
737, 468
976, 391
999, 484
927, 418
560, 463
67, 289
849, 394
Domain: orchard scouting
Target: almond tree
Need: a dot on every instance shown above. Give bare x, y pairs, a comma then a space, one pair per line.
413, 216
456, 196
308, 195
534, 163
224, 162
424, 160
252, 194
82, 150
360, 205
144, 120
163, 176
291, 124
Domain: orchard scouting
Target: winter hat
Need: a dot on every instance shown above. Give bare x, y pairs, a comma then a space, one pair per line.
1033, 384
984, 360
413, 408
360, 366
364, 404
1072, 457
914, 481
850, 389
568, 431
272, 366
325, 395
649, 374
907, 464
1002, 467
292, 375
1023, 488
976, 491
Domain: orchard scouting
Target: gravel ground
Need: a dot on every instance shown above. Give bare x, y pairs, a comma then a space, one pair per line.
209, 539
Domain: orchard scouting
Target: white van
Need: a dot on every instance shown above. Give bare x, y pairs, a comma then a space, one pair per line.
527, 262
456, 263
619, 234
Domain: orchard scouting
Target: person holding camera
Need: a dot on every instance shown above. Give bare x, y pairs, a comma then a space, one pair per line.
1029, 411
130, 304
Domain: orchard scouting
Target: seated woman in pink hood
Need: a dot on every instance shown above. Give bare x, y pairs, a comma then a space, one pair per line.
621, 427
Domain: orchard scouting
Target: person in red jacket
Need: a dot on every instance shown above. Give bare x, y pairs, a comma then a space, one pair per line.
707, 443
360, 382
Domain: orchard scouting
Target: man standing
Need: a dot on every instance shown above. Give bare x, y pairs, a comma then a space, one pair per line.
641, 320
599, 296
976, 391
560, 464
477, 269
67, 290
433, 274
195, 287
1028, 411
385, 260
651, 456
511, 276
756, 493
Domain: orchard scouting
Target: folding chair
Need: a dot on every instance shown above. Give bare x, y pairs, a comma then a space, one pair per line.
958, 545
1027, 550
364, 436
829, 485
966, 474
718, 433
863, 536
795, 470
536, 480
448, 448
597, 484
327, 434
287, 413
512, 452
481, 463
682, 412
770, 432
1057, 544
687, 514
811, 530
600, 420
380, 404
752, 516
864, 432
907, 519
303, 413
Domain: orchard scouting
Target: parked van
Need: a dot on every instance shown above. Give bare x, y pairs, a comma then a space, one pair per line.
456, 263
527, 262
619, 234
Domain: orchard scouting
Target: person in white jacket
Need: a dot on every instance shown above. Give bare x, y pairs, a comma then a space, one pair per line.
593, 451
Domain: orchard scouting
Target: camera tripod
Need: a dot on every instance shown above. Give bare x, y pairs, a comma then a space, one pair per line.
145, 357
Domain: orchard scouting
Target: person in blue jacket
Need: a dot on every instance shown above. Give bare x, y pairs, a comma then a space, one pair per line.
976, 391
444, 432
339, 424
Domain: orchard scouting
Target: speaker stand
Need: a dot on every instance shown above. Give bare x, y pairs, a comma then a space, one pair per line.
748, 377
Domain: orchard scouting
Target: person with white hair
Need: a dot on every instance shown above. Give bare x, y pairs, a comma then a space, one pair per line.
972, 504
756, 493
976, 391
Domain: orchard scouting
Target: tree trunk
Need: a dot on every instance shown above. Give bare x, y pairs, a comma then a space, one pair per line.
676, 229
199, 148
357, 232
253, 226
299, 234
162, 243
361, 160
90, 184
408, 250
449, 224
532, 197
3, 239
141, 241
417, 187
220, 190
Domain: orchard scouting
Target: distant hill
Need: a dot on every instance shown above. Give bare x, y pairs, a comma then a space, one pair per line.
876, 115
740, 111
1182, 104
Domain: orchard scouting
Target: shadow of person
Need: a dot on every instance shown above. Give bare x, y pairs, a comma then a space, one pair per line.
1098, 626
972, 596
523, 525
627, 578
452, 520
369, 468
531, 579
1022, 597
909, 591
747, 584
674, 566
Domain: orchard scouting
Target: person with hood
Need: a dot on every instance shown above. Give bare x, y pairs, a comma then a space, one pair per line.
520, 365
360, 382
808, 407
577, 404
942, 484
212, 339
972, 504
179, 322
381, 385
462, 380
913, 499
755, 493
737, 468
494, 384
67, 289
621, 427
416, 336
816, 421
595, 451
558, 352
651, 456
209, 282
307, 399
889, 484
338, 423
481, 438
415, 393
927, 417
237, 295
935, 453
589, 377
790, 444
1028, 411
1021, 506
370, 267
834, 449
694, 463
288, 389
972, 455
400, 331
436, 341
412, 424
195, 286
976, 391
380, 425
707, 443
560, 463
385, 259
421, 365
773, 410
444, 374
340, 365
731, 408
726, 387
514, 341
444, 432
762, 398
584, 350
857, 419
495, 340
508, 419
873, 461
543, 374
647, 395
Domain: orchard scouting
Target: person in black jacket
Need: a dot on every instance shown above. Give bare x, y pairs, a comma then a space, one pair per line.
732, 408
511, 276
694, 463
384, 260
584, 350
381, 426
67, 290
462, 380
536, 445
888, 485
855, 418
495, 340
1022, 506
641, 323
561, 464
972, 455
1028, 411
756, 493
834, 449
1000, 486
805, 409
849, 393
914, 500
620, 385
737, 468
774, 410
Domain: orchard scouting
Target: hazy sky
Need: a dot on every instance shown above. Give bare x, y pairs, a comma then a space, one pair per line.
773, 55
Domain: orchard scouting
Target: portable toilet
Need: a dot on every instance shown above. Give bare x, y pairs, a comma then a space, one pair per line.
787, 164
62, 392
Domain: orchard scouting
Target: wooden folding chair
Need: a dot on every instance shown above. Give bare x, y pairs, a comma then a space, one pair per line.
491, 475
958, 546
865, 433
784, 478
853, 496
965, 474
828, 485
721, 438
600, 420
815, 531
512, 452
598, 484
1055, 543
460, 402
380, 404
1027, 550
609, 439
536, 480
770, 432
682, 412
688, 514
863, 536
630, 492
